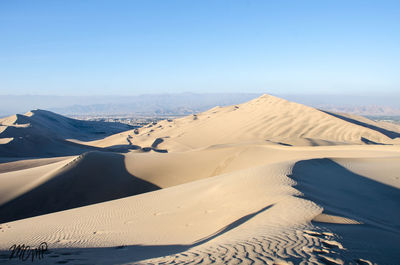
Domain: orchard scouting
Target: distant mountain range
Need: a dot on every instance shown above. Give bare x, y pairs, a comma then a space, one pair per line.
149, 104
168, 104
364, 110
189, 103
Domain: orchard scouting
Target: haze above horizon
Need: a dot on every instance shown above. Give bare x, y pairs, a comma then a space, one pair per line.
132, 47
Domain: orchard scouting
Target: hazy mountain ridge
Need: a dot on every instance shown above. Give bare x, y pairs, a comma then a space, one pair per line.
368, 110
188, 103
182, 103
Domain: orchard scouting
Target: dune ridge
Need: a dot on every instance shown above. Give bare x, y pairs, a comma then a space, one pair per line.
41, 133
265, 118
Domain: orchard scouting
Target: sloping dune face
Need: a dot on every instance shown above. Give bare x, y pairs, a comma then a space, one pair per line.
41, 133
90, 178
266, 118
264, 182
287, 204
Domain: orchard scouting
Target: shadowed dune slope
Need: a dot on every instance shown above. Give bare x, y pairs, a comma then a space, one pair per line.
14, 164
57, 125
343, 193
364, 122
38, 145
41, 133
260, 214
250, 211
91, 178
112, 170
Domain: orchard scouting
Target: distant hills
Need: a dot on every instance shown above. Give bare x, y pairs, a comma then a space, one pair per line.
189, 103
148, 104
370, 110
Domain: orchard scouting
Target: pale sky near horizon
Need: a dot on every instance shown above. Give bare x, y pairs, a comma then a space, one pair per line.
135, 47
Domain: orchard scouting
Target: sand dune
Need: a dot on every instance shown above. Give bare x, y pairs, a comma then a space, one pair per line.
265, 118
90, 178
264, 182
263, 213
18, 182
8, 164
41, 133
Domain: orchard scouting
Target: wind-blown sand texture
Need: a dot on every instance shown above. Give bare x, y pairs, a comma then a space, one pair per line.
264, 182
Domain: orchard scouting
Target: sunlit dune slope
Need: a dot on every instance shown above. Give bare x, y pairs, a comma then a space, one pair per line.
266, 118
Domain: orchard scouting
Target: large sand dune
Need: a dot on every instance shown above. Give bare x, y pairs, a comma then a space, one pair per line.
41, 133
266, 118
265, 182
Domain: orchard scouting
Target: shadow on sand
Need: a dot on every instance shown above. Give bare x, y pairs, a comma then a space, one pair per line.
92, 178
343, 193
388, 133
125, 254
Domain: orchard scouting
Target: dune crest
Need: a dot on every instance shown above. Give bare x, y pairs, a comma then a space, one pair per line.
266, 118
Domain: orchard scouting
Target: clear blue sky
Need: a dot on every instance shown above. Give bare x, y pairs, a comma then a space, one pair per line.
132, 47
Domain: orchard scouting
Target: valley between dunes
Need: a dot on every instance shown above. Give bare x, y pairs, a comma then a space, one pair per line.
264, 182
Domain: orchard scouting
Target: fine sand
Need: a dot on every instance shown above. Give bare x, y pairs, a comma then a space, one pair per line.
264, 182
